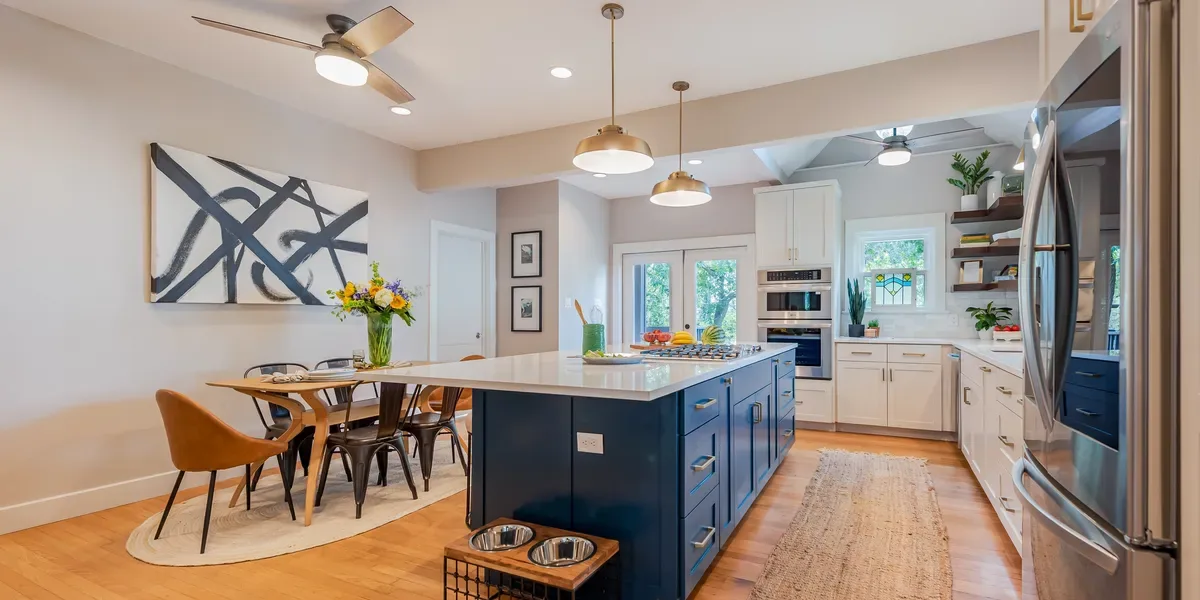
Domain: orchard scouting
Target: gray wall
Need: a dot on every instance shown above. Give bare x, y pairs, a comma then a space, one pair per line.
84, 350
730, 212
530, 207
583, 222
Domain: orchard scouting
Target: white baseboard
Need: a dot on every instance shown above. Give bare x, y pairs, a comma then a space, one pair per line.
64, 506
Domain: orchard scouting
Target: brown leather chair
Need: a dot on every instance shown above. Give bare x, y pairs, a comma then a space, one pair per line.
201, 442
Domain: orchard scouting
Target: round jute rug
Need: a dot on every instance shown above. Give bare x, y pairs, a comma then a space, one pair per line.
237, 535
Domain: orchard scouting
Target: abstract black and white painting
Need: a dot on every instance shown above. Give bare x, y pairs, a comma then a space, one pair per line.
229, 233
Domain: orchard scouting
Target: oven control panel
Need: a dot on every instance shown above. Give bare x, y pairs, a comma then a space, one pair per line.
794, 275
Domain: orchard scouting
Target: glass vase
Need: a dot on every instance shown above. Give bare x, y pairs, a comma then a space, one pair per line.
379, 338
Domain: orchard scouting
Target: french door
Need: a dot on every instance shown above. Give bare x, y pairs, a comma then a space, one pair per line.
688, 290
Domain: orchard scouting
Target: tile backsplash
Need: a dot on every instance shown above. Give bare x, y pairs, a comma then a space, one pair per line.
939, 324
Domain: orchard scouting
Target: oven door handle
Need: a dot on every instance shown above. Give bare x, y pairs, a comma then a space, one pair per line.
812, 324
764, 289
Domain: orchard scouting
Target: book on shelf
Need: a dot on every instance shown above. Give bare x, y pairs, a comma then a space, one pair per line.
975, 245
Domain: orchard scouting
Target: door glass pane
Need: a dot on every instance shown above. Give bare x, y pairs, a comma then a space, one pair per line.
651, 298
1114, 297
716, 296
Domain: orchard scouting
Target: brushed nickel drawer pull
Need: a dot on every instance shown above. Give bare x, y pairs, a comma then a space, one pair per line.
756, 414
1086, 413
708, 538
1003, 390
966, 400
1004, 440
787, 362
1086, 374
705, 404
788, 432
858, 352
786, 394
1004, 502
985, 369
914, 354
705, 464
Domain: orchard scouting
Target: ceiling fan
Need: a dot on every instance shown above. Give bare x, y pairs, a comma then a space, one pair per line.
897, 146
341, 57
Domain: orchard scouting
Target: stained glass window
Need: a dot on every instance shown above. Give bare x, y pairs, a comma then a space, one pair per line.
895, 272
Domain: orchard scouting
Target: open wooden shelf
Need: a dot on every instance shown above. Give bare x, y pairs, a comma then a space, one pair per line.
987, 251
1006, 286
1007, 208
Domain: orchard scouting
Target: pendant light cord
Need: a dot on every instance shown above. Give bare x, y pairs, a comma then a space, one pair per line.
680, 130
612, 58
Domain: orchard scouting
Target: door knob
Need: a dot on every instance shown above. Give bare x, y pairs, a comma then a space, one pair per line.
476, 335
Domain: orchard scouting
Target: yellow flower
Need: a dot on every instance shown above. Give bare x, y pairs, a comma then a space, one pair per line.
374, 289
349, 291
398, 302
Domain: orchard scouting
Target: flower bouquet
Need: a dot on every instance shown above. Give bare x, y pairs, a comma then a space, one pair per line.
378, 301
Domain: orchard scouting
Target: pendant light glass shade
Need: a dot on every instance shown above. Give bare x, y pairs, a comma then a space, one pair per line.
1020, 164
680, 189
612, 151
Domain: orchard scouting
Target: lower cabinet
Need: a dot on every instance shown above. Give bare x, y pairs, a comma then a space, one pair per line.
915, 396
700, 539
862, 397
970, 434
763, 424
741, 462
814, 400
891, 385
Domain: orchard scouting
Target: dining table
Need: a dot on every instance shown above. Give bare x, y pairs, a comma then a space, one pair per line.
313, 412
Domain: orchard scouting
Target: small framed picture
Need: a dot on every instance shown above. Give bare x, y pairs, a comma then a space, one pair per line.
971, 271
527, 254
527, 308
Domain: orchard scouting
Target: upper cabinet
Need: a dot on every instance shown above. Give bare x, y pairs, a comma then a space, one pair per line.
797, 225
1064, 25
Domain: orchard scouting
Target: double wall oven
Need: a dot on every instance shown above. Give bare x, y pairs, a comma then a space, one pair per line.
796, 306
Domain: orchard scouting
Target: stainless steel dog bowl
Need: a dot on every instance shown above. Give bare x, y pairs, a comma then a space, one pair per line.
562, 551
501, 537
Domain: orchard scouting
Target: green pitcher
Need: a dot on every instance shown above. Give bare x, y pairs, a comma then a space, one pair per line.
593, 337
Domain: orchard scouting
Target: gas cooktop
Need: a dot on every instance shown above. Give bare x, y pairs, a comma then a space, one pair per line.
709, 352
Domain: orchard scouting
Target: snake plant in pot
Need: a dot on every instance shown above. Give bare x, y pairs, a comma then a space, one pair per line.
857, 304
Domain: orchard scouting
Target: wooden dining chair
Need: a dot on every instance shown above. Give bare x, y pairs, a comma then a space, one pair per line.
199, 442
431, 402
364, 443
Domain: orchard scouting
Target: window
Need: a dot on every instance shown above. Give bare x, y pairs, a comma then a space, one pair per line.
899, 260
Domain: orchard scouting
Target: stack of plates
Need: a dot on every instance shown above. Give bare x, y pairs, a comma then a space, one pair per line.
333, 374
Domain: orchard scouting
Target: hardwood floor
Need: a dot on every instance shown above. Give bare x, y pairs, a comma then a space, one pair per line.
85, 557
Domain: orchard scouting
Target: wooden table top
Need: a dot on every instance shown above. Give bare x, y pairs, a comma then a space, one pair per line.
256, 384
516, 561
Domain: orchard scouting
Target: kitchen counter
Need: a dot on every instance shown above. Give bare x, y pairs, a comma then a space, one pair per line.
1013, 362
558, 373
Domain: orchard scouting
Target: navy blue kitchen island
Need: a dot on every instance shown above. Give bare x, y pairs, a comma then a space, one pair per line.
664, 457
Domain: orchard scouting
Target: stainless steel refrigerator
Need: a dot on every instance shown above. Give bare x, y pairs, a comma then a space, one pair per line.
1099, 476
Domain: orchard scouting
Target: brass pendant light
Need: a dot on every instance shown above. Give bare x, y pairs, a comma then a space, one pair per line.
612, 151
680, 189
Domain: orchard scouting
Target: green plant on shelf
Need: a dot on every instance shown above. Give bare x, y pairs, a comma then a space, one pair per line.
989, 316
974, 175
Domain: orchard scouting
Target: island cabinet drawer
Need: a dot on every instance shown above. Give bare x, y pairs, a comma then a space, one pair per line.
701, 464
701, 404
863, 352
700, 538
914, 353
786, 400
1095, 374
785, 432
785, 365
1093, 412
751, 378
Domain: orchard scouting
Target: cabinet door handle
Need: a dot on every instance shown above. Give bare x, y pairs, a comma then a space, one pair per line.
1004, 503
985, 369
708, 538
704, 464
883, 374
965, 399
1086, 413
1004, 440
914, 354
756, 415
786, 394
787, 362
1003, 390
1074, 27
788, 432
891, 375
1086, 374
860, 353
706, 403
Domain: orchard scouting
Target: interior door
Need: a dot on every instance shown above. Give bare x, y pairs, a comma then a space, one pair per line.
652, 290
717, 284
461, 305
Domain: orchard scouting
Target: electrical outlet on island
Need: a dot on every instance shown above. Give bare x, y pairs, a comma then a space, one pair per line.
591, 443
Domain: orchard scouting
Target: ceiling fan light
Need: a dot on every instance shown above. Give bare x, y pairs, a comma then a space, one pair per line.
895, 156
340, 66
680, 189
613, 152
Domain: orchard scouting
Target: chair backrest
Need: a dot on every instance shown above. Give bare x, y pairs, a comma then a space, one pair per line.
393, 408
341, 395
200, 441
452, 396
278, 413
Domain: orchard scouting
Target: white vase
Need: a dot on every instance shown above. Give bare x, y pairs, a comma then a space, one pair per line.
971, 202
985, 335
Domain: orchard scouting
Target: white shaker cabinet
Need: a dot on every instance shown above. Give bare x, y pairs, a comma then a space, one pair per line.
798, 225
862, 393
915, 396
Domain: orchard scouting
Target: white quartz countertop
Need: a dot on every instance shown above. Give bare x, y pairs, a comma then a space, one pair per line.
562, 373
1013, 362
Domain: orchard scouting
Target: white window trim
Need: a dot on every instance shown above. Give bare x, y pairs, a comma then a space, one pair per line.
931, 227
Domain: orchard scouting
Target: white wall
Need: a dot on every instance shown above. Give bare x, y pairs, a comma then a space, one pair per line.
532, 207
730, 212
583, 221
920, 187
83, 351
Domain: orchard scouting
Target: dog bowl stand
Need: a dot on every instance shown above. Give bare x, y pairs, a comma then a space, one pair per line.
470, 574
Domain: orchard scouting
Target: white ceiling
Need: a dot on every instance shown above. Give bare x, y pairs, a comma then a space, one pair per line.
479, 68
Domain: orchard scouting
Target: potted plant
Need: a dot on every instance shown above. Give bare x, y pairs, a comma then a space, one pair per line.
857, 305
974, 175
873, 328
988, 317
378, 300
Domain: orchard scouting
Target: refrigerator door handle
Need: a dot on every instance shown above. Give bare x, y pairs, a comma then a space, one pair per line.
1035, 370
1066, 300
1094, 552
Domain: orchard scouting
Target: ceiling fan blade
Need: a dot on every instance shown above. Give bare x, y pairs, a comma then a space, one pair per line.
864, 140
257, 34
377, 31
868, 163
385, 85
927, 139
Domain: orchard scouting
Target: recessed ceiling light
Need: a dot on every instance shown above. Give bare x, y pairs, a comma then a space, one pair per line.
695, 161
600, 175
400, 110
560, 72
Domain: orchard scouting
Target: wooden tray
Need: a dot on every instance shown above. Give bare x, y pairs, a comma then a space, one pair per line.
516, 561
